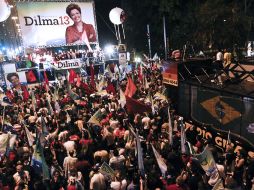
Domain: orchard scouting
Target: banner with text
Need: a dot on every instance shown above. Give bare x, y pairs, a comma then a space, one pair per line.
56, 23
170, 75
67, 64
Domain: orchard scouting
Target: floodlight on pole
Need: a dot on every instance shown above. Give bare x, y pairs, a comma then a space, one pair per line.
109, 49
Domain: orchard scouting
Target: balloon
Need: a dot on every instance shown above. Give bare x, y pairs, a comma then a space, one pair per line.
117, 16
5, 11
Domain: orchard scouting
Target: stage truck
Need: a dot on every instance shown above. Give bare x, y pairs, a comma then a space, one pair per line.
214, 99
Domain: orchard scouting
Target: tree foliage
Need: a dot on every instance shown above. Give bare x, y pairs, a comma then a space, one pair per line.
204, 23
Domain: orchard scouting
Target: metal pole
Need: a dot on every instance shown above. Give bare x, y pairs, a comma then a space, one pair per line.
119, 37
149, 41
165, 38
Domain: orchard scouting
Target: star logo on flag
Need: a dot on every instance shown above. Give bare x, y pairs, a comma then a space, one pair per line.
220, 110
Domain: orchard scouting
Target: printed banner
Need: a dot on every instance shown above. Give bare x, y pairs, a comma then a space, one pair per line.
15, 79
221, 110
107, 170
67, 64
122, 58
57, 23
96, 118
207, 162
170, 73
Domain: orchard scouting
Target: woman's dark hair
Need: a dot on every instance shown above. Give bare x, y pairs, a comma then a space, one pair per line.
72, 6
11, 75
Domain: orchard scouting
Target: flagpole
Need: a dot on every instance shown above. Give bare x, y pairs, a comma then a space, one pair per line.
3, 117
149, 41
165, 37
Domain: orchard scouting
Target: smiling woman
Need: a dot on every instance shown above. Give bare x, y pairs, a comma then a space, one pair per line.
79, 32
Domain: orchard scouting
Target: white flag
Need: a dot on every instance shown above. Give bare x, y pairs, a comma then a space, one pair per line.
160, 161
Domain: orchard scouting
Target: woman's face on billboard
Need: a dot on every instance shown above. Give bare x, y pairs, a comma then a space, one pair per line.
75, 15
14, 80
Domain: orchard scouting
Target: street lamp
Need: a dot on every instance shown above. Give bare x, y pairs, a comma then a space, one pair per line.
137, 59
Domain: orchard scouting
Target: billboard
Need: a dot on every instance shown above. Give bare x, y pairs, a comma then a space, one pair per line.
57, 23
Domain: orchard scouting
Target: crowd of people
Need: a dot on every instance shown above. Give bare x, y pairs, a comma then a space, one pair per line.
58, 118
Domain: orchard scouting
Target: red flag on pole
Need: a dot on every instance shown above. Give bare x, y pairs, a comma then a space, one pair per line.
78, 83
110, 88
134, 106
130, 88
46, 80
87, 89
25, 93
31, 76
72, 75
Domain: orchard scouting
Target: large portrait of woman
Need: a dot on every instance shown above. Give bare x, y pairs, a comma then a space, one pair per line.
80, 32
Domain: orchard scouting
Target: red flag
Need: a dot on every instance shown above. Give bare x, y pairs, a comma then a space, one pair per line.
25, 93
134, 106
72, 75
87, 89
130, 88
78, 83
46, 80
92, 75
31, 76
110, 89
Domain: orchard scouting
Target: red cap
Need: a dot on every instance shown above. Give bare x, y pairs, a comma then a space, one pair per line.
74, 137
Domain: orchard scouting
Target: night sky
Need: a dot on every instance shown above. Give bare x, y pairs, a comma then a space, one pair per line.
104, 25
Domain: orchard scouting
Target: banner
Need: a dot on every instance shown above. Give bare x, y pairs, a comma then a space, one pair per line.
122, 58
215, 113
39, 163
4, 141
67, 64
96, 118
170, 73
207, 162
224, 111
48, 23
14, 79
107, 170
